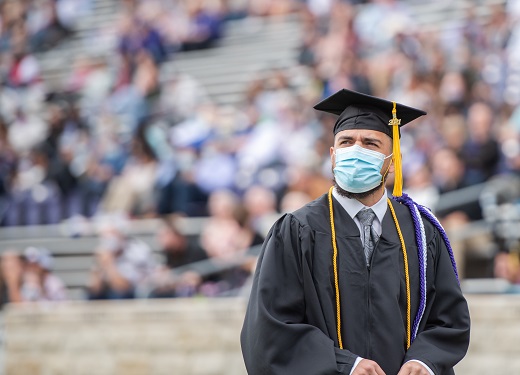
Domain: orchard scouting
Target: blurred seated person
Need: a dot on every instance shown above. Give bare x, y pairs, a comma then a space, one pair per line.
293, 200
420, 186
29, 277
178, 250
11, 268
217, 242
226, 242
39, 283
481, 150
260, 204
448, 171
122, 263
507, 267
205, 29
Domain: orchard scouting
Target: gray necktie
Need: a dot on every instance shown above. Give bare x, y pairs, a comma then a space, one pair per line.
370, 237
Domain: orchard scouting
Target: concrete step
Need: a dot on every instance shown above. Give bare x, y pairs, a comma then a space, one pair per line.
225, 64
436, 15
230, 50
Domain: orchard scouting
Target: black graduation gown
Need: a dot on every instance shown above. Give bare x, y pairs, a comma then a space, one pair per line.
290, 323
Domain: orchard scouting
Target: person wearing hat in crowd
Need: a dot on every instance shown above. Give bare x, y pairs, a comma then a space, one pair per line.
357, 282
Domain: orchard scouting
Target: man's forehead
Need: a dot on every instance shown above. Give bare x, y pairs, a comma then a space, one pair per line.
363, 133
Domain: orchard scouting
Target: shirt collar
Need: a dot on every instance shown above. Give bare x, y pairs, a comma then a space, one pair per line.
353, 206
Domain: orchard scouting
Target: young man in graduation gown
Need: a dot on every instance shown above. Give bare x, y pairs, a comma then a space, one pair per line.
334, 293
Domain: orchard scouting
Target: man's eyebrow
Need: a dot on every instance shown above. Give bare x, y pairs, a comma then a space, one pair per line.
364, 139
372, 140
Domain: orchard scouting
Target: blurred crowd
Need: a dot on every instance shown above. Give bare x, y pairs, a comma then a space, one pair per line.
123, 137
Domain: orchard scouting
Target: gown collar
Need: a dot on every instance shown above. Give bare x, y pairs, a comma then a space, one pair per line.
352, 206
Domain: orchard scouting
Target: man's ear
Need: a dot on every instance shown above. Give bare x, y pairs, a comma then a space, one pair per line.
391, 168
332, 156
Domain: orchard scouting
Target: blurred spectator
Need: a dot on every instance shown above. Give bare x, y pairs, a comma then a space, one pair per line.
220, 237
448, 171
222, 204
29, 278
26, 131
392, 15
178, 250
480, 151
250, 236
421, 187
47, 27
8, 161
133, 191
454, 132
260, 204
510, 149
122, 264
11, 265
38, 282
293, 200
24, 68
181, 96
267, 8
226, 237
137, 36
507, 266
205, 27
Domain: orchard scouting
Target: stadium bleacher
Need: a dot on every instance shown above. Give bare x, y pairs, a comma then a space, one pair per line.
249, 46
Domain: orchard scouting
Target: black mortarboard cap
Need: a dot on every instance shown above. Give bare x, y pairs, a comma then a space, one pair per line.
361, 111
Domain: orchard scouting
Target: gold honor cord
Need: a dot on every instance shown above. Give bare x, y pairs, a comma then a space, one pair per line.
335, 267
406, 274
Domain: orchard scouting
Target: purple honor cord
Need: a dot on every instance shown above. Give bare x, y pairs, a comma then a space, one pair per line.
420, 236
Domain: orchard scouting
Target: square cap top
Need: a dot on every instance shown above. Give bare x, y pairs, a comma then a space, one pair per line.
361, 111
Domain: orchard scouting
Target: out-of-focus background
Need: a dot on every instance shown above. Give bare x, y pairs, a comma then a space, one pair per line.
146, 147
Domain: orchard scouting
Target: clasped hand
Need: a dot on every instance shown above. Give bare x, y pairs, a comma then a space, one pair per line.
368, 367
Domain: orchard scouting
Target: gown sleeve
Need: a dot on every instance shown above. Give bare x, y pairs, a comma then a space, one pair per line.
275, 337
445, 338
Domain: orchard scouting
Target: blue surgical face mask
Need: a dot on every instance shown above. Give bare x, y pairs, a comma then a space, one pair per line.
357, 169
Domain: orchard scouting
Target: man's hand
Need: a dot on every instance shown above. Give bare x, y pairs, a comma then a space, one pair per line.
368, 367
413, 368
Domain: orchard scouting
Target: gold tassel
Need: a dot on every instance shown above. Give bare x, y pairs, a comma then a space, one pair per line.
398, 179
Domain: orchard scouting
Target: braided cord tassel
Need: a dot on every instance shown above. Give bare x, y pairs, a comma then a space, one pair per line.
416, 210
431, 217
420, 237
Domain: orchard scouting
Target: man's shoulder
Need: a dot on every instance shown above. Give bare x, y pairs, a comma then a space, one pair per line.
316, 209
312, 216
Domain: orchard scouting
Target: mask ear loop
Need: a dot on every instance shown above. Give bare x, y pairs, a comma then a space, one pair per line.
387, 169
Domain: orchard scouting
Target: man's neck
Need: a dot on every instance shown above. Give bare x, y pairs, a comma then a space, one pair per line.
372, 198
